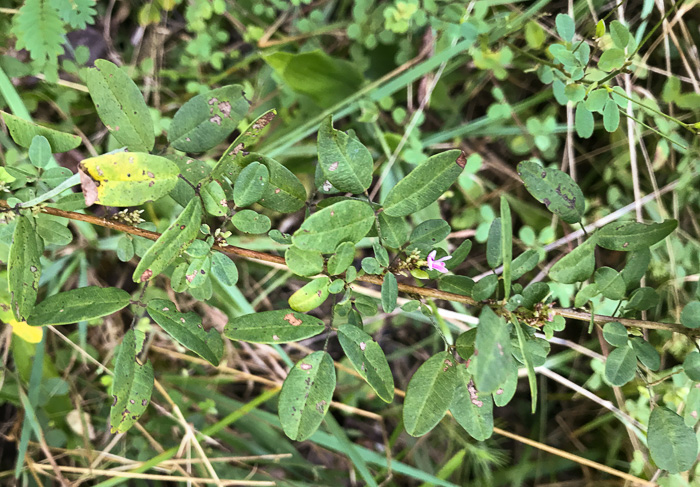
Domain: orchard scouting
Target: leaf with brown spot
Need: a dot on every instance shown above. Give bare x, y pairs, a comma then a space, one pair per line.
279, 326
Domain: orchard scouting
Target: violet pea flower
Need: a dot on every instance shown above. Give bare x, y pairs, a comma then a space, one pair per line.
437, 265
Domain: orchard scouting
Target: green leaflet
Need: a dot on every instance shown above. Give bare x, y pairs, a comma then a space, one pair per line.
506, 245
610, 283
132, 386
279, 326
207, 119
178, 236
82, 304
348, 220
126, 178
243, 143
224, 269
306, 395
23, 133
646, 353
620, 366
368, 359
524, 263
472, 409
283, 192
186, 329
559, 193
249, 221
425, 184
492, 362
631, 236
526, 353
394, 230
344, 160
214, 199
303, 262
506, 390
23, 269
690, 316
494, 255
615, 334
311, 296
250, 184
691, 366
40, 151
121, 106
325, 79
52, 231
341, 259
672, 444
577, 265
390, 292
429, 394
430, 233
456, 284
192, 170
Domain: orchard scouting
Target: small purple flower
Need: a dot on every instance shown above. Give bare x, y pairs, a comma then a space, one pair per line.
437, 265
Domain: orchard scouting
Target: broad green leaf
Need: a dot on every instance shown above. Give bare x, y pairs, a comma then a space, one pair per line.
121, 106
368, 359
611, 116
178, 236
610, 283
311, 296
631, 236
565, 27
690, 316
325, 79
394, 231
472, 409
506, 245
199, 249
456, 284
506, 390
691, 366
636, 266
493, 349
224, 269
249, 221
611, 60
371, 266
207, 119
125, 248
583, 121
132, 386
243, 143
279, 326
643, 299
303, 262
575, 92
465, 344
82, 304
341, 259
23, 133
673, 445
214, 199
485, 287
559, 193
615, 334
40, 151
577, 265
390, 292
620, 34
23, 269
283, 192
306, 395
425, 184
344, 160
53, 232
596, 100
621, 366
345, 221
524, 263
126, 178
429, 394
646, 353
193, 171
430, 233
250, 184
186, 329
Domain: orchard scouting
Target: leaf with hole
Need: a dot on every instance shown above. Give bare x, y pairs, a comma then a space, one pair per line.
306, 395
127, 178
121, 106
425, 184
472, 409
172, 242
132, 386
186, 329
207, 119
368, 359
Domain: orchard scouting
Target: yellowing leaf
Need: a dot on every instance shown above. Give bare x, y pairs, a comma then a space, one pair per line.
30, 334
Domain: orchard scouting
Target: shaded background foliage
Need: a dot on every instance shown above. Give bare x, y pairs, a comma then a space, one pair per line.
373, 65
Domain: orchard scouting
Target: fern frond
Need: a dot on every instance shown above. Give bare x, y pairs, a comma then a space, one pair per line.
77, 13
39, 29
